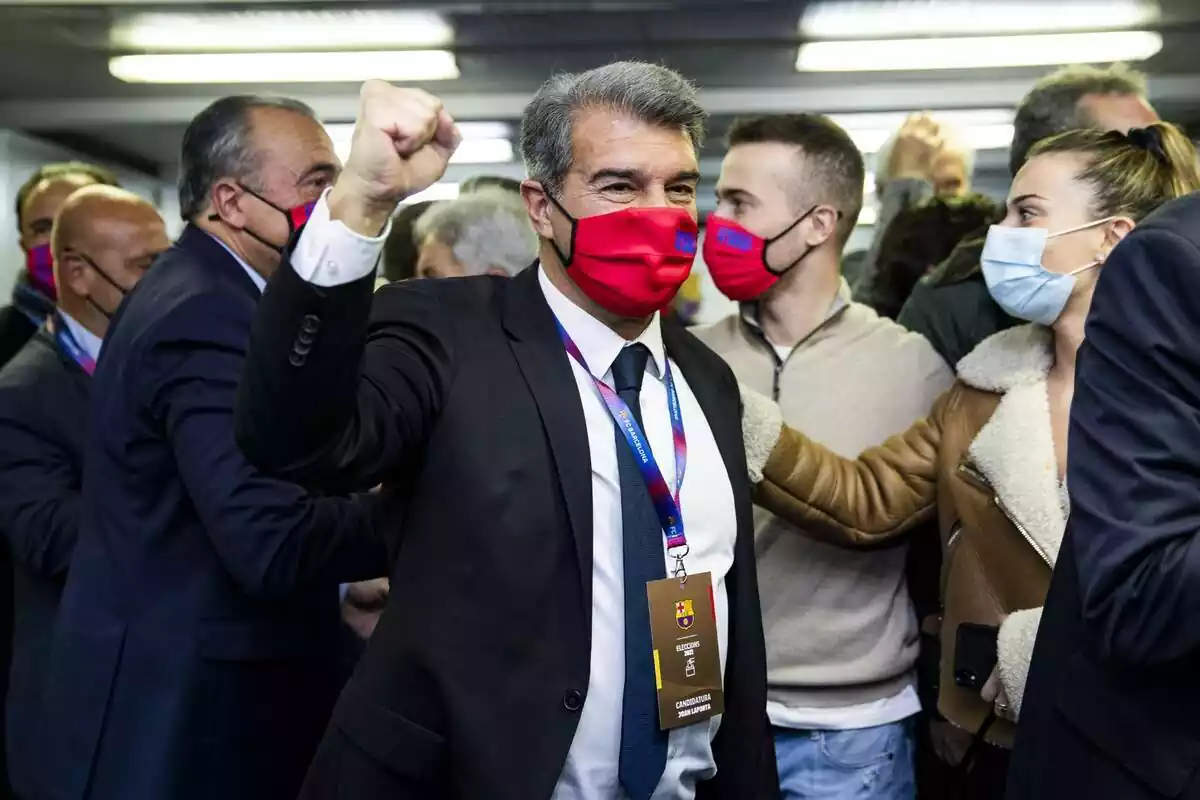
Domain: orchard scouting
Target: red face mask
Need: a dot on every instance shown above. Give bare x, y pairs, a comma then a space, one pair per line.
630, 262
39, 261
737, 258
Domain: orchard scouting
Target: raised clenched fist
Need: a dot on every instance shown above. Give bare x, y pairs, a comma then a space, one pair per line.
403, 140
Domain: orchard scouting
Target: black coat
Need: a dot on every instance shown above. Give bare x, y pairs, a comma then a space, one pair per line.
43, 413
465, 406
952, 307
196, 649
1112, 705
15, 330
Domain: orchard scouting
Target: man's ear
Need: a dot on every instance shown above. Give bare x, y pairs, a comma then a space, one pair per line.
824, 226
538, 204
69, 271
226, 199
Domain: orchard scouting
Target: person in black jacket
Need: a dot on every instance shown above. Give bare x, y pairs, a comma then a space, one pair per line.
104, 239
195, 654
515, 659
1111, 708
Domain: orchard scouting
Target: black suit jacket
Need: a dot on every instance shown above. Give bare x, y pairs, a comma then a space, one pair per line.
195, 653
1112, 705
463, 403
43, 411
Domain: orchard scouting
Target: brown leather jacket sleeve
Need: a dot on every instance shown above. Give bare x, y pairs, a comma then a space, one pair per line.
863, 502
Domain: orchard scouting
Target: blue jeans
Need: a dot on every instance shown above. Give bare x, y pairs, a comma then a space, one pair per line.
868, 763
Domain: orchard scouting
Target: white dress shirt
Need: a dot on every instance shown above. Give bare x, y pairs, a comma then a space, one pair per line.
711, 527
89, 341
83, 337
329, 254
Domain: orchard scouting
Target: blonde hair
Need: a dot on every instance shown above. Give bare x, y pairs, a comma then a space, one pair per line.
1131, 174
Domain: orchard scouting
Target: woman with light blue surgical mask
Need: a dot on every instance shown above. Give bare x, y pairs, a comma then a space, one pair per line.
989, 461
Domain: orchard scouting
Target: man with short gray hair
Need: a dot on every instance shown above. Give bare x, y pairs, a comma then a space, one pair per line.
486, 232
541, 641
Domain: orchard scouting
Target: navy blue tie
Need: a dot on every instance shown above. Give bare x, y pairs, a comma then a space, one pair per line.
643, 743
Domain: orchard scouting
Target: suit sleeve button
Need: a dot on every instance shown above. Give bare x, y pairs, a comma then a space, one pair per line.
573, 700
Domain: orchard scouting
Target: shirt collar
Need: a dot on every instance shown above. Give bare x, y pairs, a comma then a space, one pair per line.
842, 299
600, 344
90, 342
259, 281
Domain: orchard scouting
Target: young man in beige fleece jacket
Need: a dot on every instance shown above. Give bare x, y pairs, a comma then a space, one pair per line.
842, 638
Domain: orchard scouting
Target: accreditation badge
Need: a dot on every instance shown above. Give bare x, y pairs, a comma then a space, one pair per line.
687, 656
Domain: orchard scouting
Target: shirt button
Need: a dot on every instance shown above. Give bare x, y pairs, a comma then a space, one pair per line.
572, 700
332, 268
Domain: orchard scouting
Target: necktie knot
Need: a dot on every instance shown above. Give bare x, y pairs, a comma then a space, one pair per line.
629, 368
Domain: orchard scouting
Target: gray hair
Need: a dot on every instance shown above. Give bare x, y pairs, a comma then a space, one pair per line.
486, 228
1052, 105
217, 144
649, 92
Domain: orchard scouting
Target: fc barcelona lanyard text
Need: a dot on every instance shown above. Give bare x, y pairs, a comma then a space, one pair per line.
666, 503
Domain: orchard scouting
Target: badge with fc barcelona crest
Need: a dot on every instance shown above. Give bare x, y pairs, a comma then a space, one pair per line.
687, 656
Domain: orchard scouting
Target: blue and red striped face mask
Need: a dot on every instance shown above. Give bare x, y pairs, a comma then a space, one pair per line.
296, 216
39, 262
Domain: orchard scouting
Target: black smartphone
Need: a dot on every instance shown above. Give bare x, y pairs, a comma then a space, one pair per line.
974, 654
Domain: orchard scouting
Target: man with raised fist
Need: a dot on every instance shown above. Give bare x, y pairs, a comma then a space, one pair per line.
573, 611
196, 649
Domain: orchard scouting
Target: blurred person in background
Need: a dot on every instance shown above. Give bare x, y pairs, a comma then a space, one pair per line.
1112, 705
33, 296
38, 200
990, 459
485, 232
842, 640
922, 237
515, 658
195, 654
922, 159
952, 307
477, 182
400, 251
104, 238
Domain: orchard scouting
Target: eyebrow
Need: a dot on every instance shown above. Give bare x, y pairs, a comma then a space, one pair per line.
633, 175
314, 169
1025, 197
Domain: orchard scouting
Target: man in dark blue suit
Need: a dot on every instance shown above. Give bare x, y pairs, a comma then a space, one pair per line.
104, 239
195, 655
1112, 705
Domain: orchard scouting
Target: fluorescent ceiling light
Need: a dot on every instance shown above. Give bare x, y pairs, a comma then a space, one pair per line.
378, 29
469, 130
893, 19
976, 129
977, 52
439, 191
980, 137
474, 149
399, 65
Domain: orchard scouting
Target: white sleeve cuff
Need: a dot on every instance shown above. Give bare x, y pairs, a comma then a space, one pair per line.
330, 254
1018, 633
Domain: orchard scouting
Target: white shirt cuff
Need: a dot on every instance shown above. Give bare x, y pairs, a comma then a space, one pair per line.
330, 254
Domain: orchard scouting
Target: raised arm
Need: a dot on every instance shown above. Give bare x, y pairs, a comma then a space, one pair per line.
865, 502
332, 396
1135, 453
